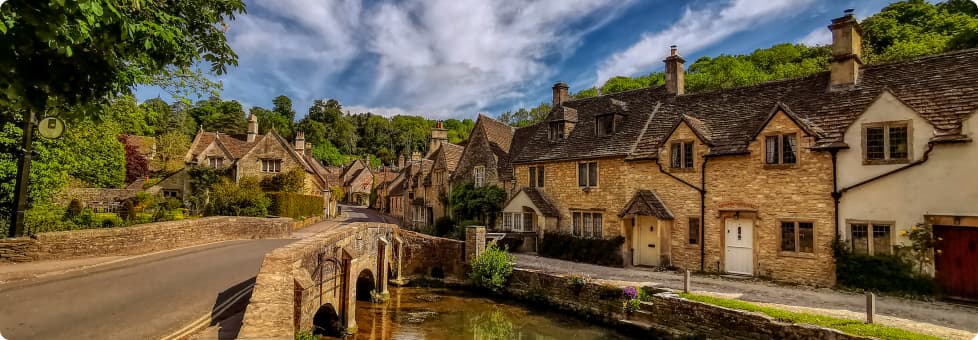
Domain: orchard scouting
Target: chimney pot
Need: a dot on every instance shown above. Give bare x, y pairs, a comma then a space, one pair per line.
252, 127
561, 94
846, 51
675, 75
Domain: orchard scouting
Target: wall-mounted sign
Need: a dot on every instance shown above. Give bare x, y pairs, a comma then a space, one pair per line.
51, 128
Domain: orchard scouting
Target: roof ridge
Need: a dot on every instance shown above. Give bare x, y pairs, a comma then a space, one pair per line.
644, 129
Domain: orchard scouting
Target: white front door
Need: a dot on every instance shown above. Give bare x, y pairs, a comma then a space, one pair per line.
740, 246
647, 241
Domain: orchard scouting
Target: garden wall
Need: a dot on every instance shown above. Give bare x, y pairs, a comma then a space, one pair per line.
666, 316
140, 239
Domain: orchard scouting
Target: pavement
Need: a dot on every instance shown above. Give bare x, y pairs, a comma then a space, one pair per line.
165, 295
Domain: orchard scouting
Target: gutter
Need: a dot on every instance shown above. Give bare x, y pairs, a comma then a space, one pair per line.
702, 191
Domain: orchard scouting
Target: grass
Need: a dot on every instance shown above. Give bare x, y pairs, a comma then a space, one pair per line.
854, 327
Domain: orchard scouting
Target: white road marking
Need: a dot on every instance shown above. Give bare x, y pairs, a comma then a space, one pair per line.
203, 321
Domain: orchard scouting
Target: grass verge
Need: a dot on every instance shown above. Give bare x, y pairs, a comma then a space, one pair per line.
854, 327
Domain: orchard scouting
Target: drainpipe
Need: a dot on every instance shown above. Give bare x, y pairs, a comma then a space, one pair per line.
836, 195
702, 192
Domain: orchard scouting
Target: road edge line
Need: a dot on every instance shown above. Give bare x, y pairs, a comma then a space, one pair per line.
202, 322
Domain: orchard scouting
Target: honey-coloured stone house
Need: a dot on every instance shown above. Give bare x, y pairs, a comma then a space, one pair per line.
760, 180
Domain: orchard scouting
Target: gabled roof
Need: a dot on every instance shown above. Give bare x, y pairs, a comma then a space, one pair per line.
451, 153
541, 202
803, 123
647, 203
497, 132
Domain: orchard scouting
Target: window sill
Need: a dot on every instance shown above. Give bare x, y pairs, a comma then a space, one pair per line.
671, 169
780, 166
797, 255
885, 161
692, 246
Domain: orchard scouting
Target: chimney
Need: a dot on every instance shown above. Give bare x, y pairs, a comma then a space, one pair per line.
300, 142
252, 128
560, 93
439, 135
309, 149
416, 156
400, 161
675, 75
846, 51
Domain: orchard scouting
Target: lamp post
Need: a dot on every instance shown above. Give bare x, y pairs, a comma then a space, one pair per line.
23, 177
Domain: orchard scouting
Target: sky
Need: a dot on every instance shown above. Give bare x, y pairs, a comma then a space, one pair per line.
456, 58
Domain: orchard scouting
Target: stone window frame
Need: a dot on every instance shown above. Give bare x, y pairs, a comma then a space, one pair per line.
512, 219
689, 231
583, 229
869, 231
556, 130
537, 176
175, 193
597, 176
479, 175
616, 123
780, 164
797, 253
218, 160
683, 143
271, 165
886, 142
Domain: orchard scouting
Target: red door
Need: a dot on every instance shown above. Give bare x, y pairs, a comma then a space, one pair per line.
957, 261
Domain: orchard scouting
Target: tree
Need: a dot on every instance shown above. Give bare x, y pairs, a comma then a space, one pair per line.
471, 203
128, 116
136, 164
170, 150
160, 115
524, 117
328, 153
230, 118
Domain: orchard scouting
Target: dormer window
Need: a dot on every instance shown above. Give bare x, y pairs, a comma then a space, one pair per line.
606, 125
886, 143
556, 130
215, 162
681, 154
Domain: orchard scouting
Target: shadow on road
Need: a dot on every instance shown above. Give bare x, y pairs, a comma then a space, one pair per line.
227, 315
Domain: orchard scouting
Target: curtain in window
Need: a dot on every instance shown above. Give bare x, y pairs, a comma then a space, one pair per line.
597, 225
789, 145
771, 149
576, 224
582, 174
860, 239
676, 155
592, 174
587, 224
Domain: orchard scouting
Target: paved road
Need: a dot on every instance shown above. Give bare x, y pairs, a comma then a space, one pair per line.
143, 298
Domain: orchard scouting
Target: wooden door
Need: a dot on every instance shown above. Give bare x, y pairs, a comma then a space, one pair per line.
739, 257
957, 261
648, 245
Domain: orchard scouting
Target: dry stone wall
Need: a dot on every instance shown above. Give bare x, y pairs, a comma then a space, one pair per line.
140, 239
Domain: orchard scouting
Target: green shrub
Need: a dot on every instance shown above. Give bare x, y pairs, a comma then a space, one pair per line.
243, 199
293, 181
46, 217
86, 219
576, 283
305, 335
881, 272
111, 221
604, 252
294, 205
74, 209
491, 268
443, 226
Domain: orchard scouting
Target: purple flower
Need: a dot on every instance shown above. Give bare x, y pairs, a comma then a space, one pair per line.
630, 292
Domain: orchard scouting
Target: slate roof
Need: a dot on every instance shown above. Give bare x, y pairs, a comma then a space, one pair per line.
647, 203
541, 202
943, 89
497, 132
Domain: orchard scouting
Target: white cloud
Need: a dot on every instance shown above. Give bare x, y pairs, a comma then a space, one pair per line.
696, 29
819, 36
432, 57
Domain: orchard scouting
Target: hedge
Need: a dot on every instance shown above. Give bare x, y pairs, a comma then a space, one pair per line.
287, 204
882, 273
605, 252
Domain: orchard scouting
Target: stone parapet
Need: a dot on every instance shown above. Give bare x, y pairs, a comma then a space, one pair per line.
140, 239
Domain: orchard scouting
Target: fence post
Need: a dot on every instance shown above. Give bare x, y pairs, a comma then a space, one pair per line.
686, 281
870, 307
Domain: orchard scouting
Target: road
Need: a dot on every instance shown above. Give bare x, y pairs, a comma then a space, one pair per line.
145, 297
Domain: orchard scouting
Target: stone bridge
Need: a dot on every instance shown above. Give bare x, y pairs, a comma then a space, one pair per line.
315, 284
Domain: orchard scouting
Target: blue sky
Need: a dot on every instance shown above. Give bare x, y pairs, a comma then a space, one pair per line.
457, 58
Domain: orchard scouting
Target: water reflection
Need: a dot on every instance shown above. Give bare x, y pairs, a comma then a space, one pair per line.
421, 313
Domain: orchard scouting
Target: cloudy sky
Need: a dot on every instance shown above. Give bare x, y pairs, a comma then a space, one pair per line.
457, 58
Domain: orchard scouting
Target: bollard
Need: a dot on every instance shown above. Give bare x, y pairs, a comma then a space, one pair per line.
870, 307
686, 282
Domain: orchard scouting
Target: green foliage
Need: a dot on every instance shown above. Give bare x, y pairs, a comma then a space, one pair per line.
524, 117
881, 272
854, 327
483, 204
921, 248
74, 209
492, 268
444, 226
329, 154
305, 335
605, 252
631, 305
494, 325
290, 181
913, 28
287, 204
337, 193
243, 199
171, 147
136, 164
89, 49
576, 283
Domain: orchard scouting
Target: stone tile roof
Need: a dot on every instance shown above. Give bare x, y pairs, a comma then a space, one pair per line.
541, 202
943, 89
453, 153
646, 203
201, 141
497, 132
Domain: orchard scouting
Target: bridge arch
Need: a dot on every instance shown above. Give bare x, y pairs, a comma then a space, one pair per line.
327, 322
365, 284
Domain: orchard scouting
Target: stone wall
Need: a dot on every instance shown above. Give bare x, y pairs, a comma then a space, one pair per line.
424, 253
140, 239
96, 198
666, 316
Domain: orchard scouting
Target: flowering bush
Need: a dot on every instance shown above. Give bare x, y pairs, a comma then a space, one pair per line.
921, 245
630, 292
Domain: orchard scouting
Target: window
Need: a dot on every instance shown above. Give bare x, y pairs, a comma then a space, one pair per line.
171, 193
870, 237
682, 155
216, 162
781, 149
518, 222
694, 230
419, 212
479, 174
587, 224
886, 143
797, 237
556, 130
606, 125
587, 174
536, 176
271, 165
